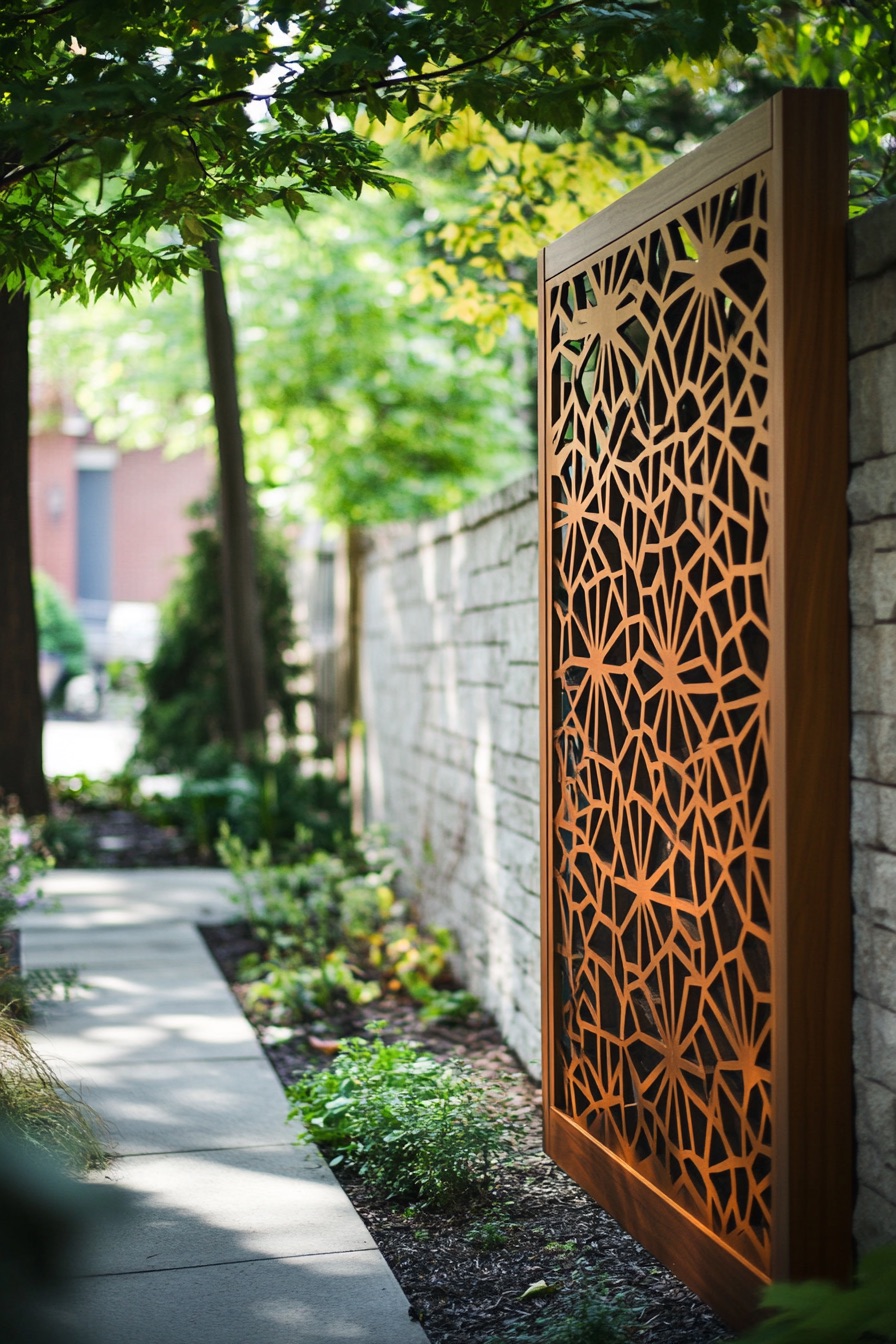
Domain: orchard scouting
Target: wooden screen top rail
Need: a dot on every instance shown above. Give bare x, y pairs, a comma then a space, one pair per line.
745, 140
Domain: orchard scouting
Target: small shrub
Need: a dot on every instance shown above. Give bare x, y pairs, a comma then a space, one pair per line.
490, 1234
69, 840
291, 992
66, 833
822, 1313
414, 1128
41, 1110
58, 629
96, 795
260, 802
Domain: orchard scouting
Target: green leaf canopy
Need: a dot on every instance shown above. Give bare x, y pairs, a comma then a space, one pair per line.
128, 131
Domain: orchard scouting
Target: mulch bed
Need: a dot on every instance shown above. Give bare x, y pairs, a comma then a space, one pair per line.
464, 1273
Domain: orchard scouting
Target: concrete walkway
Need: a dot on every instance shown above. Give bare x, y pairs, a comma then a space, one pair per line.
237, 1234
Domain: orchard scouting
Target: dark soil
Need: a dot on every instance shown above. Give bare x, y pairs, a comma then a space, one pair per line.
465, 1273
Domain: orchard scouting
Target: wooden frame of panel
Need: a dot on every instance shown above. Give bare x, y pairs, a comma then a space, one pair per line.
797, 143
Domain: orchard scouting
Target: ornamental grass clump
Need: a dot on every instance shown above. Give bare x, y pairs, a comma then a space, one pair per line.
36, 1107
414, 1128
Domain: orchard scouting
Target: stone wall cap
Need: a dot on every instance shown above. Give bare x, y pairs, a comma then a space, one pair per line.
399, 538
872, 241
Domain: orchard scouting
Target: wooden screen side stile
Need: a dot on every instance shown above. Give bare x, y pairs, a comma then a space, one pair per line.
812, 963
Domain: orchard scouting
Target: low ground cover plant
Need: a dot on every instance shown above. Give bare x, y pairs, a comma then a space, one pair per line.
285, 803
332, 928
76, 800
415, 1128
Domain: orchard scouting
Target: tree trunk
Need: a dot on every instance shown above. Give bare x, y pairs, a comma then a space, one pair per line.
21, 749
356, 546
243, 639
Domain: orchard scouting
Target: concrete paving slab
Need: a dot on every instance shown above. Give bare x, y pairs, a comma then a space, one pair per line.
176, 950
314, 1299
100, 899
182, 1106
116, 1018
226, 1206
136, 992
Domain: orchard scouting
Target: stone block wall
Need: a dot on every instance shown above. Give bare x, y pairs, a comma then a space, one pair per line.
450, 652
450, 691
872, 506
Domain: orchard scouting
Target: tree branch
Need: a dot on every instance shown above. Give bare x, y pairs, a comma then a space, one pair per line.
386, 83
402, 81
472, 63
46, 11
17, 175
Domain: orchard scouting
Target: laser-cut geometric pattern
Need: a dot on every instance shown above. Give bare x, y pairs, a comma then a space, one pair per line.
658, 479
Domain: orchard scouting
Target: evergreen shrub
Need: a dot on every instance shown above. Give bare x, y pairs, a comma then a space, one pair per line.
186, 706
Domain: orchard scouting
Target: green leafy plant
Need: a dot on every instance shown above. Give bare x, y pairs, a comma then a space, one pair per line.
447, 1005
289, 992
20, 990
96, 795
490, 1234
333, 928
65, 832
412, 1126
69, 840
822, 1313
58, 628
37, 1107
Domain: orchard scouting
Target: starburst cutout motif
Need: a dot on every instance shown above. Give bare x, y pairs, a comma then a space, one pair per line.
659, 489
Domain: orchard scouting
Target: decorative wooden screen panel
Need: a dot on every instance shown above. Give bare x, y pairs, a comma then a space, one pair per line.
693, 460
